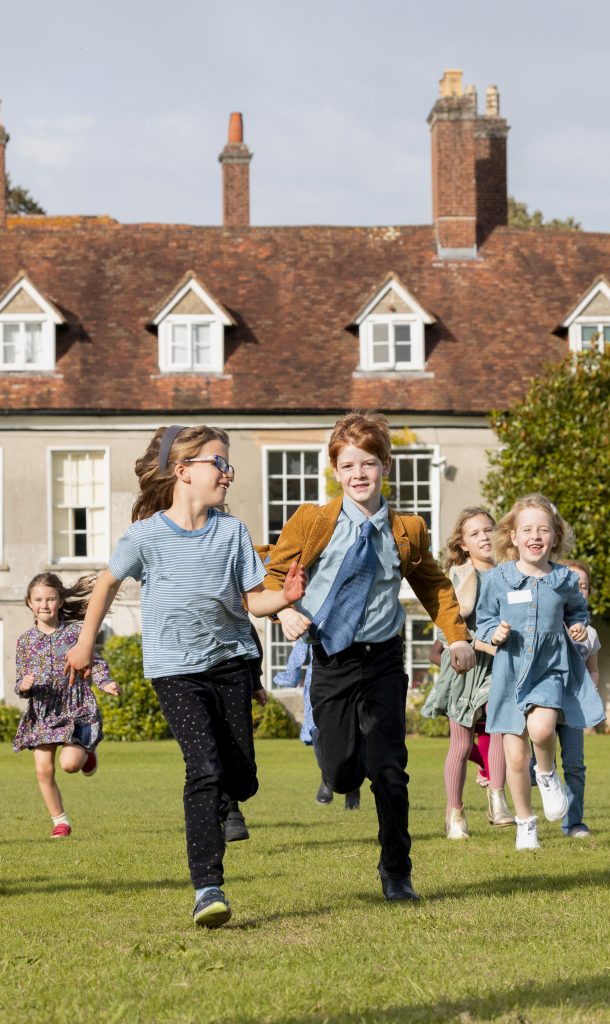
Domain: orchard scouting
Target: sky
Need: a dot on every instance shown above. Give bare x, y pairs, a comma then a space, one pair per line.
121, 108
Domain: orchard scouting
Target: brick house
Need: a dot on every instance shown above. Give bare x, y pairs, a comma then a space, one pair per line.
108, 330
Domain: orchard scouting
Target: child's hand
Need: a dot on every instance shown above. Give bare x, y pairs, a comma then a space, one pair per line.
294, 625
462, 656
112, 688
26, 683
295, 583
78, 662
578, 631
501, 633
260, 696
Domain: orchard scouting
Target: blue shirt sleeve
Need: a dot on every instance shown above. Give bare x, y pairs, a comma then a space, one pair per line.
126, 559
488, 607
250, 571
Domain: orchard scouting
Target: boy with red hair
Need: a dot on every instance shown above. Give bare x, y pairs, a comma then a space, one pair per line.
357, 550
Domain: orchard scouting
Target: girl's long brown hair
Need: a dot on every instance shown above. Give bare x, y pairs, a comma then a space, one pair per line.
157, 485
504, 547
75, 598
455, 554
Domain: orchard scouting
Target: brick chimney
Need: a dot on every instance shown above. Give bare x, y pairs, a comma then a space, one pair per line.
3, 197
235, 159
469, 189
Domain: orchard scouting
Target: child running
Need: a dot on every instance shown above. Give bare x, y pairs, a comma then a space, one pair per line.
357, 550
58, 714
571, 741
463, 698
197, 565
538, 679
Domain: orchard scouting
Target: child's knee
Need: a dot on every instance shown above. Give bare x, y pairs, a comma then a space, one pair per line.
71, 761
45, 772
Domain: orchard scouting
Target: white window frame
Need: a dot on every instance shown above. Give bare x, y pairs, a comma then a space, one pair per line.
3, 692
322, 463
575, 335
190, 320
47, 317
433, 450
313, 447
393, 320
1, 507
408, 644
78, 560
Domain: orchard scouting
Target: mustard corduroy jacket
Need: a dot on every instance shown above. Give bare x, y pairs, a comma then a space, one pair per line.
309, 530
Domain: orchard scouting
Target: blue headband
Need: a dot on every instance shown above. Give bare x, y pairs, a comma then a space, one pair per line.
170, 435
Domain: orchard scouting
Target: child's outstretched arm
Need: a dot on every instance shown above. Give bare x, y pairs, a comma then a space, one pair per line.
79, 659
263, 602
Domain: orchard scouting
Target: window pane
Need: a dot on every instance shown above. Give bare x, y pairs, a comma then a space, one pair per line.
10, 341
201, 334
380, 333
33, 343
381, 353
312, 463
293, 489
274, 463
276, 489
294, 463
179, 344
312, 490
606, 333
589, 336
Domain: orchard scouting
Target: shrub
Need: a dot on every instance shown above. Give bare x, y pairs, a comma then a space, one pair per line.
9, 720
274, 721
136, 714
416, 723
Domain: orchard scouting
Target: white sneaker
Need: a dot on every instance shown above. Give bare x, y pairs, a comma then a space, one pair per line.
552, 794
527, 834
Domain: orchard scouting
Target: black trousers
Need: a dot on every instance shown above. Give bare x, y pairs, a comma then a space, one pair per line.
358, 700
210, 715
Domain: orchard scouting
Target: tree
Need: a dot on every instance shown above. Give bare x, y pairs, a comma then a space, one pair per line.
557, 440
19, 200
520, 217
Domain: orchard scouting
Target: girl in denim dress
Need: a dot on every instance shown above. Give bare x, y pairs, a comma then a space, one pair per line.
531, 608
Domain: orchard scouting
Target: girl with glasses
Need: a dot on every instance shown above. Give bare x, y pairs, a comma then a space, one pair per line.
197, 566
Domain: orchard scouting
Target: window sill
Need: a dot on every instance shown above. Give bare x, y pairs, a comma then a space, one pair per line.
74, 565
393, 374
216, 374
31, 371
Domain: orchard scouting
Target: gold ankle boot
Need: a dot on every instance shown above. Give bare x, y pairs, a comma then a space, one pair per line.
456, 826
497, 808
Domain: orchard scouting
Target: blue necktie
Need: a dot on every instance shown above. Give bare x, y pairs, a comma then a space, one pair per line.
334, 625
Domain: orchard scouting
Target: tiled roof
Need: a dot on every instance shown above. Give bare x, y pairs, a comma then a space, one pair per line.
293, 292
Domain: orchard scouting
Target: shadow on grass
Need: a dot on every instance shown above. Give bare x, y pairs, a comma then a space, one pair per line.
40, 884
568, 999
511, 885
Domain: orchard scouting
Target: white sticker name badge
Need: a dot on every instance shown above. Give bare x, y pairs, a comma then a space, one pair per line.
519, 596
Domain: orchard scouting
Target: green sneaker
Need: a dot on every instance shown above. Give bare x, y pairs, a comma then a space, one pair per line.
212, 910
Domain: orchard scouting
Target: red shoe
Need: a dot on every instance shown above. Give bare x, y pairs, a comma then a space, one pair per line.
61, 832
90, 765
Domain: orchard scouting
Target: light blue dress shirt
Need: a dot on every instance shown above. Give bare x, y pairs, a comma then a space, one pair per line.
384, 615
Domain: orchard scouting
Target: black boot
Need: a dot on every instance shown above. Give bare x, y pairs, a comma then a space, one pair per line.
325, 793
352, 800
235, 827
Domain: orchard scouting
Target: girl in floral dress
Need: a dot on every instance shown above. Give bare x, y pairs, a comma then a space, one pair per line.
57, 715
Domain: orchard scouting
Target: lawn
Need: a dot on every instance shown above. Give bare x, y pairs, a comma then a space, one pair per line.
97, 927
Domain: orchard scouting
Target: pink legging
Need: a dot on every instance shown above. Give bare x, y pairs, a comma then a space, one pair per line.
460, 744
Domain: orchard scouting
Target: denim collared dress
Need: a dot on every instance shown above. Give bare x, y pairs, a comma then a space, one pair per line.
538, 665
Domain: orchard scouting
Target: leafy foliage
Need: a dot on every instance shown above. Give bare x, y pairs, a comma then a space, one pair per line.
9, 720
520, 217
557, 440
416, 723
273, 721
136, 714
19, 200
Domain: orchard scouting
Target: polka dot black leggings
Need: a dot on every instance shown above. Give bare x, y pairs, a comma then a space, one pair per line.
210, 715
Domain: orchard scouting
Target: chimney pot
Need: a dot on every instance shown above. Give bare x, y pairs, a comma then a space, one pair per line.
236, 128
492, 102
451, 82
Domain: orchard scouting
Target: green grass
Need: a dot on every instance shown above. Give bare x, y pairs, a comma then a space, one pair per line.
97, 927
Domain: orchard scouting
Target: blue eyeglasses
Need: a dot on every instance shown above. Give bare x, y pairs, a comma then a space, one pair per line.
216, 460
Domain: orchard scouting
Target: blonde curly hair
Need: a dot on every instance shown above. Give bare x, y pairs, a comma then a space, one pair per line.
503, 545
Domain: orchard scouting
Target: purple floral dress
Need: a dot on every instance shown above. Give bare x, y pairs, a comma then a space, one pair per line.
56, 711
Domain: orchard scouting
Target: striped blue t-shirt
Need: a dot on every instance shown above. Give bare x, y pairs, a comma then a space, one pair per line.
192, 585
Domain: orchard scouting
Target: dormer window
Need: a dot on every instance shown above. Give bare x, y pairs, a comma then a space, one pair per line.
191, 330
588, 323
392, 329
27, 329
